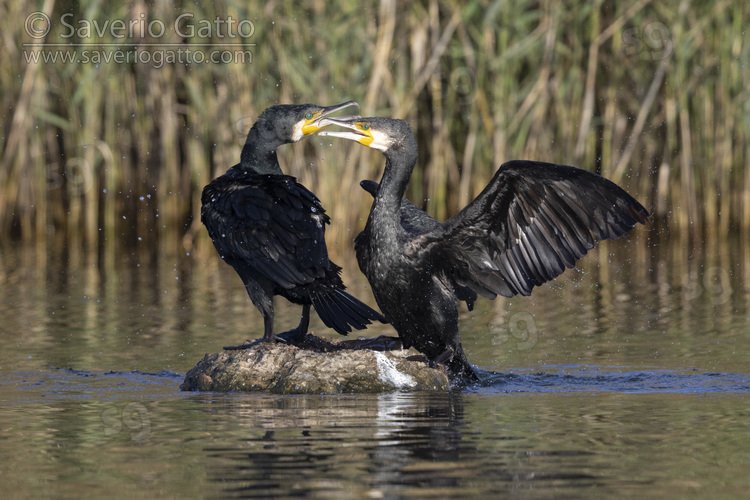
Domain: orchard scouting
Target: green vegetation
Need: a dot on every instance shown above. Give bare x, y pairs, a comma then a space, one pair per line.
653, 95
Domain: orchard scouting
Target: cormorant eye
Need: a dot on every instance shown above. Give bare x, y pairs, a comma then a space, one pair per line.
365, 126
308, 116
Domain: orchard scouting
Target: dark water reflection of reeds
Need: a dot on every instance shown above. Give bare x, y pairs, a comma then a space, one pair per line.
648, 299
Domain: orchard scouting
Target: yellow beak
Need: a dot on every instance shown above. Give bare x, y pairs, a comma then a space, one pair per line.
314, 121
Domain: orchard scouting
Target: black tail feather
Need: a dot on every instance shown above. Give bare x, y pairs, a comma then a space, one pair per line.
342, 312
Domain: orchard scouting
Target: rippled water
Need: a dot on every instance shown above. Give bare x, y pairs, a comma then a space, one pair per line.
627, 377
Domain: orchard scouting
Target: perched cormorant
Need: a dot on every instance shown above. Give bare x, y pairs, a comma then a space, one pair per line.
532, 221
271, 229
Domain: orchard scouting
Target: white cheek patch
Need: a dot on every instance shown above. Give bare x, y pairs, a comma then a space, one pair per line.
380, 141
297, 131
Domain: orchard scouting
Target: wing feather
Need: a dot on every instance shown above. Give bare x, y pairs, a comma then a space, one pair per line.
271, 224
531, 222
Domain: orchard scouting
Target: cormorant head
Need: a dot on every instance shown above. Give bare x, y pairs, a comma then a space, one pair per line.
285, 123
279, 125
388, 135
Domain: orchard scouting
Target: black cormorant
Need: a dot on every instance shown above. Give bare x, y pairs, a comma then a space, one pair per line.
532, 221
271, 229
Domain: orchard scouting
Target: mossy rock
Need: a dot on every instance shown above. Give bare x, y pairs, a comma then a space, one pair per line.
315, 367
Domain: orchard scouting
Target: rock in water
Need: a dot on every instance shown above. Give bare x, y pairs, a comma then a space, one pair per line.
318, 367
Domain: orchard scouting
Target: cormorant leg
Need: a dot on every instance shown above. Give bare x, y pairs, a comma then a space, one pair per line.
297, 334
455, 361
268, 335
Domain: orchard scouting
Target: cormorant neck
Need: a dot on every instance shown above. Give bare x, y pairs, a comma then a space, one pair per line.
399, 165
259, 152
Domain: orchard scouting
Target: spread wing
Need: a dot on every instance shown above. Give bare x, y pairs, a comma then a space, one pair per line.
269, 224
531, 222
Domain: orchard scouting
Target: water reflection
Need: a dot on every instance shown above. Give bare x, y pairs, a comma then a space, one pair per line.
410, 445
292, 443
567, 432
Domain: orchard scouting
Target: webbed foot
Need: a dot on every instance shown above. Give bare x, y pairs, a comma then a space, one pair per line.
292, 337
381, 343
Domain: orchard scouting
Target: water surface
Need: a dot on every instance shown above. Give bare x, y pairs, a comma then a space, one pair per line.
626, 377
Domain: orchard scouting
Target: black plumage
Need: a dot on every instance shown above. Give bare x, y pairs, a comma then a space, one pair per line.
271, 229
416, 221
531, 222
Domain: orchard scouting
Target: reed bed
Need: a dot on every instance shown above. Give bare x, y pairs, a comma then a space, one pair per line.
651, 94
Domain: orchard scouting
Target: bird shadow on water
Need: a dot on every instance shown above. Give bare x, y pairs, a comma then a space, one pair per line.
578, 378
